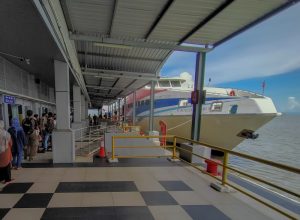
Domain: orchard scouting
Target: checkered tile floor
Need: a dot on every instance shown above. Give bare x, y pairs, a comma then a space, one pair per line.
131, 189
104, 200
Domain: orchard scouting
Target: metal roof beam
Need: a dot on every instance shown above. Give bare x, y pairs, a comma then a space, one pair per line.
140, 43
101, 95
106, 87
109, 75
117, 57
120, 73
206, 20
113, 17
117, 80
159, 17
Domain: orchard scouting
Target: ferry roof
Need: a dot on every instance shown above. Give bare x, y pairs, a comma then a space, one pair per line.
114, 47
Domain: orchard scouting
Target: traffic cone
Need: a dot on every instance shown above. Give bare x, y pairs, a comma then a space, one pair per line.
101, 152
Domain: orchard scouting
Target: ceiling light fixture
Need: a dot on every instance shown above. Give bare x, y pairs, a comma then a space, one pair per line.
22, 59
119, 46
105, 77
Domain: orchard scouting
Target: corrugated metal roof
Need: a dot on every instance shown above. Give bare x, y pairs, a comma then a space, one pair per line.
139, 14
90, 16
239, 14
182, 17
169, 22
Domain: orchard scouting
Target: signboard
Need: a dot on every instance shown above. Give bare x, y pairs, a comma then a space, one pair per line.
9, 99
194, 97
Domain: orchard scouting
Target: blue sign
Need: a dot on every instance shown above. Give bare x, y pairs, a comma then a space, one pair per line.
9, 99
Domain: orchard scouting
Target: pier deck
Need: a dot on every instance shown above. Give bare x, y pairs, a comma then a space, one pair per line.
131, 189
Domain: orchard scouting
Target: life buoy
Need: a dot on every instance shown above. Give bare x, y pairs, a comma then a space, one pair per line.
232, 93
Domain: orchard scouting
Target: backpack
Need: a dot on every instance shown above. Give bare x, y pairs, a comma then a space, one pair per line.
49, 125
28, 126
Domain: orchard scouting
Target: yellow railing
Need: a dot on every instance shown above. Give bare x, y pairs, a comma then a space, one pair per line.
224, 164
114, 147
131, 128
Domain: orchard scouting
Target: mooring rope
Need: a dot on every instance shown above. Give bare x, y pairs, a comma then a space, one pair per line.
179, 125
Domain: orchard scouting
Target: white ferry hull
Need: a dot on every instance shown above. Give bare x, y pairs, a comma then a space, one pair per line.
218, 129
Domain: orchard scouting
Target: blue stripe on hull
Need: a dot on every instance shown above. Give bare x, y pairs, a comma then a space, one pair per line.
162, 103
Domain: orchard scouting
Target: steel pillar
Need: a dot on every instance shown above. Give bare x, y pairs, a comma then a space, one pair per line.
151, 110
133, 108
125, 109
198, 88
119, 108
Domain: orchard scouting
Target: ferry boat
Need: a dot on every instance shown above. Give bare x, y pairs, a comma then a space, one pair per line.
229, 115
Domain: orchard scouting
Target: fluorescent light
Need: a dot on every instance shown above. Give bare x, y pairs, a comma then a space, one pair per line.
105, 77
120, 46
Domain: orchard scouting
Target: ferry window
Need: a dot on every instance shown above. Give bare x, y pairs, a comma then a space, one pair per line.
183, 102
216, 106
164, 84
147, 102
175, 83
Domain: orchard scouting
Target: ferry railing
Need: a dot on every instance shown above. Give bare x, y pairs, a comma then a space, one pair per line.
223, 180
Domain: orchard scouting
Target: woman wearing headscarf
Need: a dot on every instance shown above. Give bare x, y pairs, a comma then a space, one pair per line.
18, 142
5, 154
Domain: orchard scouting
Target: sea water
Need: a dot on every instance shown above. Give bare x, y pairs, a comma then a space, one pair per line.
278, 141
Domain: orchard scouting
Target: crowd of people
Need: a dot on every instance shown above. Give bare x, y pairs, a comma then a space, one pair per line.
22, 141
95, 120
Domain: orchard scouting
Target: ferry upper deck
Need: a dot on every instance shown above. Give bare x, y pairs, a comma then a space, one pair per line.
68, 56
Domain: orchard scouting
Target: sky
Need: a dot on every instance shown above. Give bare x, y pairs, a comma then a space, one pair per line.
269, 51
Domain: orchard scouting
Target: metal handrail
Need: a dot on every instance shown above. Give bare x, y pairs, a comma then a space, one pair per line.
225, 165
141, 137
256, 159
246, 156
131, 127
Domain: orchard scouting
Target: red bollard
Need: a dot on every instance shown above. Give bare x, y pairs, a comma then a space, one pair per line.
212, 167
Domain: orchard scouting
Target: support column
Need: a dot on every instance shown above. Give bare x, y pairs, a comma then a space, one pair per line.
125, 109
119, 108
5, 116
198, 88
77, 104
86, 110
82, 108
63, 138
151, 110
77, 108
133, 107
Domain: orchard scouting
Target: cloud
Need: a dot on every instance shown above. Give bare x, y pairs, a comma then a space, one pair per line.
293, 104
271, 48
257, 60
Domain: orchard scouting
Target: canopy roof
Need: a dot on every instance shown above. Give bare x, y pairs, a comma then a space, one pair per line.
122, 44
